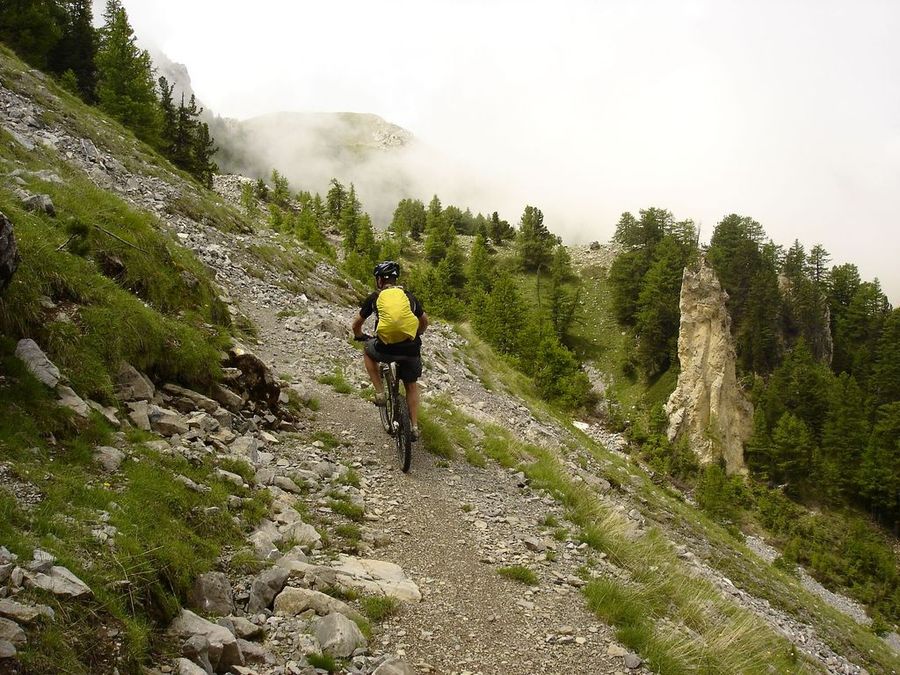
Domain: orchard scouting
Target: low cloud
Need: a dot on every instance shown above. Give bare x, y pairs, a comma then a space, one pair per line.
786, 112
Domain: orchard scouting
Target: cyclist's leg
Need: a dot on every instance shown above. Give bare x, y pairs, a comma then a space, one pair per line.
409, 369
412, 399
371, 357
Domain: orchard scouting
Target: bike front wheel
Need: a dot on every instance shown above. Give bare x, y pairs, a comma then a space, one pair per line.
387, 415
404, 434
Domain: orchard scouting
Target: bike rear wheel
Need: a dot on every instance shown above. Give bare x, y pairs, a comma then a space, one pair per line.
404, 434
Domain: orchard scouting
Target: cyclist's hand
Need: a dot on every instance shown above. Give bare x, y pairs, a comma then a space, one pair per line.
364, 337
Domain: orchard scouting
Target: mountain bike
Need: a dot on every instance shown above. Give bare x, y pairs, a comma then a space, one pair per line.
395, 413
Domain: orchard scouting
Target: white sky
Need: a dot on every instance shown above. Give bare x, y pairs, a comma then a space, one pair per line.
787, 111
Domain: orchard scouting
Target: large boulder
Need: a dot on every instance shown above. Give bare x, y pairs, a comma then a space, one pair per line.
265, 587
12, 632
59, 581
69, 399
40, 204
223, 651
9, 252
394, 666
339, 636
166, 422
377, 577
256, 377
212, 594
187, 400
132, 385
37, 362
293, 601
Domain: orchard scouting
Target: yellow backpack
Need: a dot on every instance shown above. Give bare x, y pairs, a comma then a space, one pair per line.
396, 321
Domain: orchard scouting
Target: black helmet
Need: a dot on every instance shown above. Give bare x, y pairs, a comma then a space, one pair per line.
387, 270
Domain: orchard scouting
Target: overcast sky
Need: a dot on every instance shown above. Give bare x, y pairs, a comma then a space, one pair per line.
788, 112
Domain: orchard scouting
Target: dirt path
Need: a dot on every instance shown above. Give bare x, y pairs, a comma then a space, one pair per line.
451, 527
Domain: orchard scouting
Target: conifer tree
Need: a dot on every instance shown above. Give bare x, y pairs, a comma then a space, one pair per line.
76, 50
439, 235
409, 218
500, 230
534, 242
350, 212
32, 28
503, 316
125, 85
334, 200
480, 269
281, 193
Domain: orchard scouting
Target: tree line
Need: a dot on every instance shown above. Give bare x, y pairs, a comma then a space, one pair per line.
106, 68
818, 346
523, 305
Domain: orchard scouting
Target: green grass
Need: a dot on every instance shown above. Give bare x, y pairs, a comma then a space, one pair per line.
326, 438
351, 477
433, 437
379, 607
519, 573
346, 509
337, 381
324, 662
154, 305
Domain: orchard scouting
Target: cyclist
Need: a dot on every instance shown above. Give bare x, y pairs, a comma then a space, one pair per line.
400, 321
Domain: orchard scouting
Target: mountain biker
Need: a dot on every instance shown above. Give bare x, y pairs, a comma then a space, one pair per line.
400, 321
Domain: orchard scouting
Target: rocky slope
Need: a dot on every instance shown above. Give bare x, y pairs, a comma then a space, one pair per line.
343, 530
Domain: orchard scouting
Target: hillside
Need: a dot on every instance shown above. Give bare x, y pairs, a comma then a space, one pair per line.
237, 467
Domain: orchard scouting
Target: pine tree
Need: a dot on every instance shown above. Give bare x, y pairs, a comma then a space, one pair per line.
845, 430
76, 50
879, 472
439, 235
886, 369
657, 318
334, 200
480, 269
349, 216
793, 449
125, 85
504, 314
817, 267
169, 117
32, 28
500, 230
534, 241
281, 193
409, 218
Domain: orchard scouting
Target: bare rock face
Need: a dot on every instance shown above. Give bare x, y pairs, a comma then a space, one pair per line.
708, 406
9, 252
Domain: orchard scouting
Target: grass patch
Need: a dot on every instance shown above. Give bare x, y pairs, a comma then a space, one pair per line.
346, 509
433, 436
378, 608
324, 662
337, 381
519, 573
326, 438
149, 301
350, 477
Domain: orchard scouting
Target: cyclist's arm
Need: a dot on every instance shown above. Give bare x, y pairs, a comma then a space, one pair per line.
423, 324
357, 325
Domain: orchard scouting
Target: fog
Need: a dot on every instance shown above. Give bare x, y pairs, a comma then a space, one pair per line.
788, 112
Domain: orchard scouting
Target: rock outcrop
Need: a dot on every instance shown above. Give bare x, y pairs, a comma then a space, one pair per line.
708, 406
9, 252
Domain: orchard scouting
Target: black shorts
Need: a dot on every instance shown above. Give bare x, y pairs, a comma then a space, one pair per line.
409, 368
